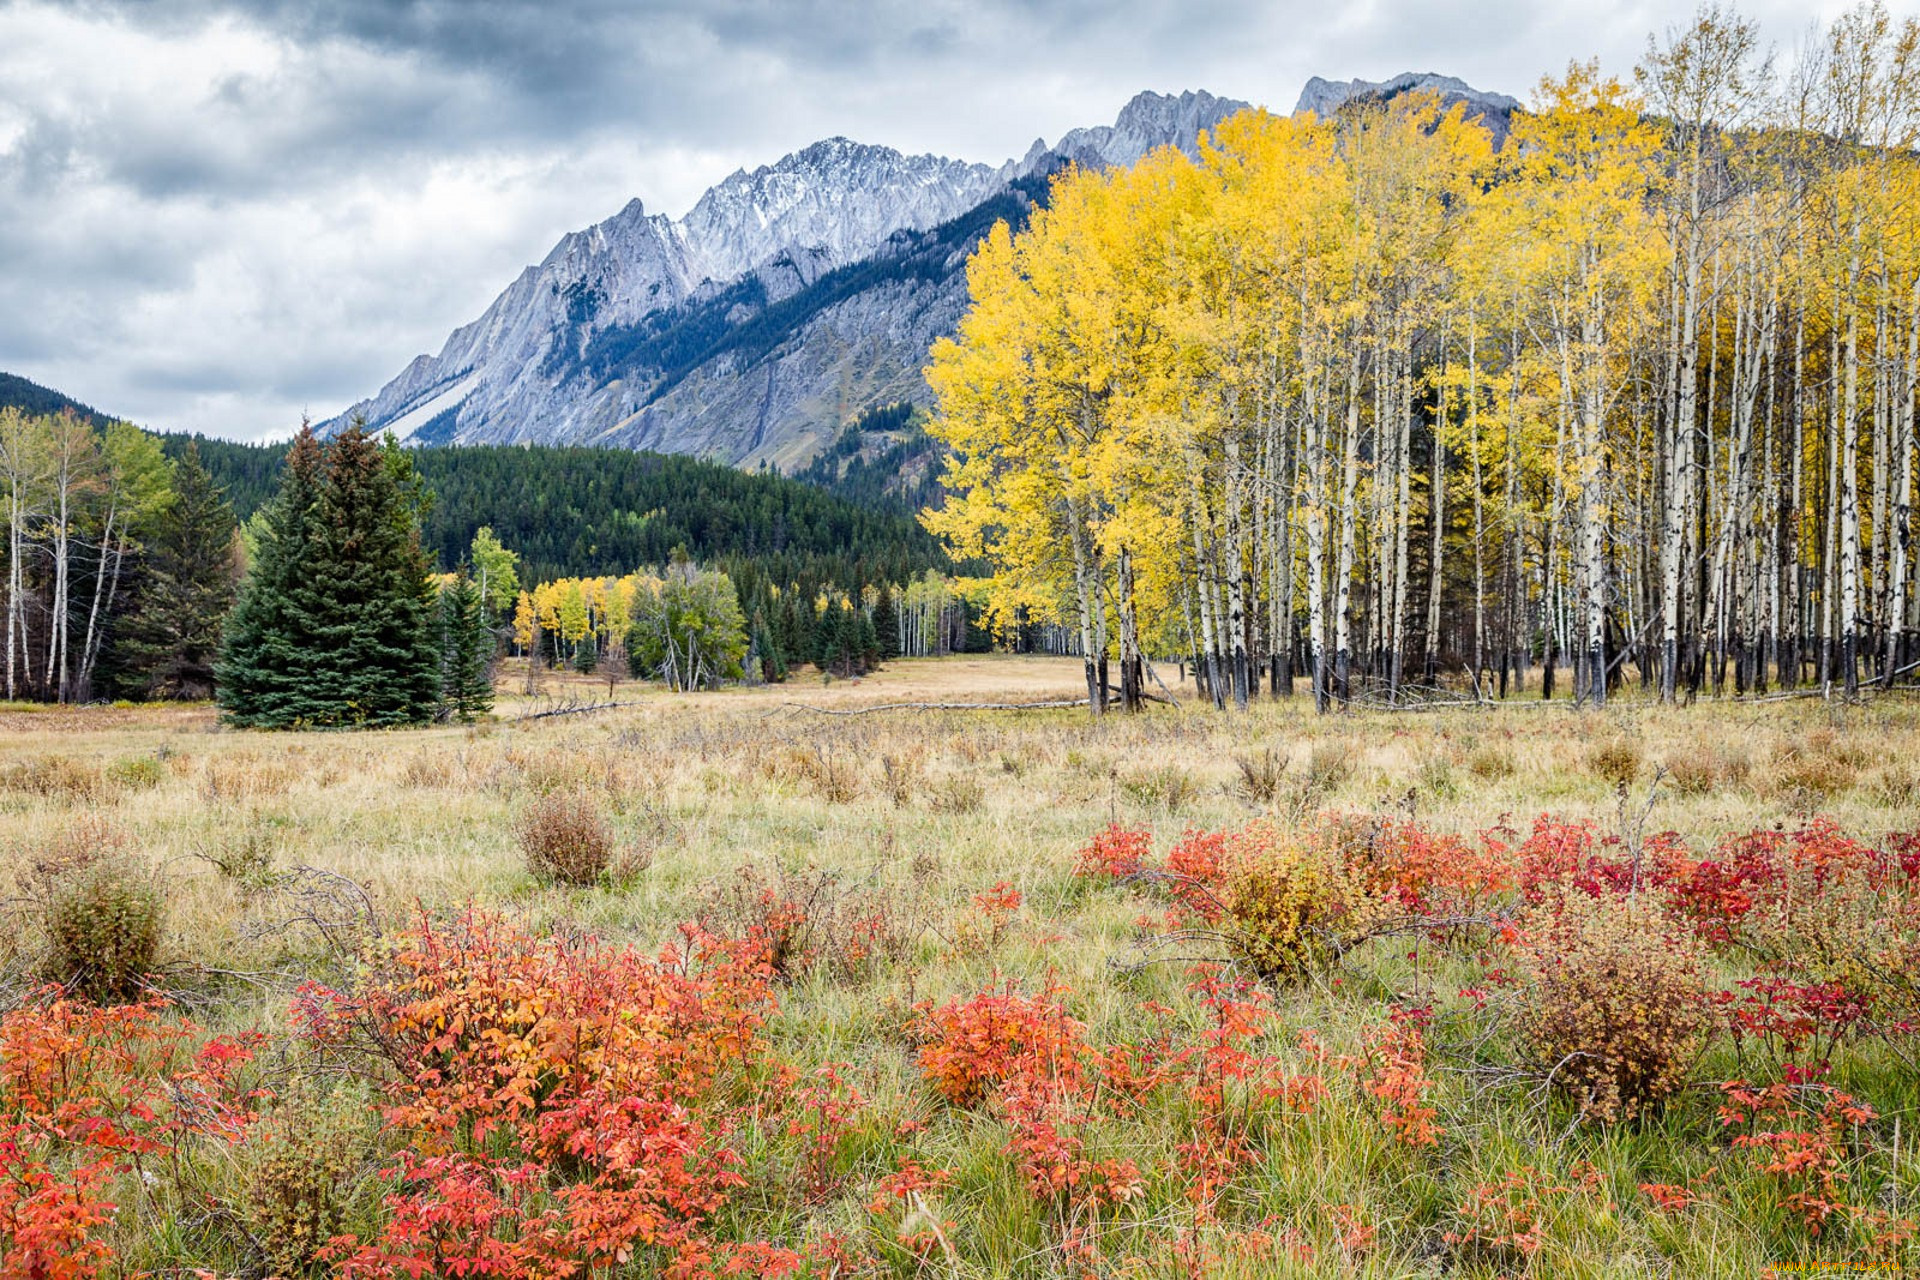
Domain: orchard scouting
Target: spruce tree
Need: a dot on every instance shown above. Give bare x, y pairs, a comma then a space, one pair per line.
337, 621
765, 647
886, 625
170, 637
262, 678
466, 684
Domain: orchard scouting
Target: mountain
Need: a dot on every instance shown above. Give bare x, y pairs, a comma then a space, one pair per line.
788, 301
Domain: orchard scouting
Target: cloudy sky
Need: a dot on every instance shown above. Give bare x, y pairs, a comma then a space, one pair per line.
219, 214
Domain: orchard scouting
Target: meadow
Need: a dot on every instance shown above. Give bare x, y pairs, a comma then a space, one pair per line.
738, 984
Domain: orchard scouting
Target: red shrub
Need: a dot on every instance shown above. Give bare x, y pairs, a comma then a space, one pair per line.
974, 1046
86, 1092
1115, 853
1787, 1016
1796, 1130
1198, 854
1717, 893
824, 1110
1507, 1220
1396, 1066
553, 1054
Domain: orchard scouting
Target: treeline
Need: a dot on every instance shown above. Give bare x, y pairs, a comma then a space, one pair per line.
36, 401
1366, 397
119, 563
694, 627
582, 512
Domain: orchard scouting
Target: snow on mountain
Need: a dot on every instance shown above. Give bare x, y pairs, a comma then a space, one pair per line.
837, 198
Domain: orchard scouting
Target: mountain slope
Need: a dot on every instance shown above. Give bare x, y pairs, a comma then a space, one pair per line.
1495, 110
17, 392
510, 376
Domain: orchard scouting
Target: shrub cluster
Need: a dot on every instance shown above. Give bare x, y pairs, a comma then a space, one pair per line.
1616, 1004
564, 836
100, 911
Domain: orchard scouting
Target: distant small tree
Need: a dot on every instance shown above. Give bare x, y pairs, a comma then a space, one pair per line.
496, 572
466, 651
765, 650
837, 644
612, 667
886, 625
690, 631
586, 654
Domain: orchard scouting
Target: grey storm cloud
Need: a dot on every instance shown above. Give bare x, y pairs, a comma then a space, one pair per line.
219, 214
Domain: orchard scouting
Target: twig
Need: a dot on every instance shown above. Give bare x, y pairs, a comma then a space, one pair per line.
570, 711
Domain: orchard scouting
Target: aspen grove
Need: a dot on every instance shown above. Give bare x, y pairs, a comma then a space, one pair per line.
1383, 400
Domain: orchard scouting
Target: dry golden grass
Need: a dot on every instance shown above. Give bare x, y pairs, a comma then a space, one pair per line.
936, 805
758, 773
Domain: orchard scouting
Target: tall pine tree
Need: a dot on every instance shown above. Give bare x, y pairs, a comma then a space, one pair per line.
379, 658
466, 653
886, 625
263, 680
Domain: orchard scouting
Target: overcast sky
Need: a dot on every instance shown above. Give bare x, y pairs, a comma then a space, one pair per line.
219, 215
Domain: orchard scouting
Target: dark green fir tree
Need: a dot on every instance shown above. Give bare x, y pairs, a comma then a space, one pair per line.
262, 679
337, 623
886, 625
378, 661
466, 651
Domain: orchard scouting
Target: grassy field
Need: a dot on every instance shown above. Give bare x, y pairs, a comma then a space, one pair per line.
1372, 1112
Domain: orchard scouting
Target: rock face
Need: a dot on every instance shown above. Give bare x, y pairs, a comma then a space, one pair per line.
786, 301
516, 374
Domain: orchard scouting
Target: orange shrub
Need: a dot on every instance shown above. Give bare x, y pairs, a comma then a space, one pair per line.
1796, 1130
1396, 1065
85, 1093
1506, 1221
974, 1046
549, 1054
